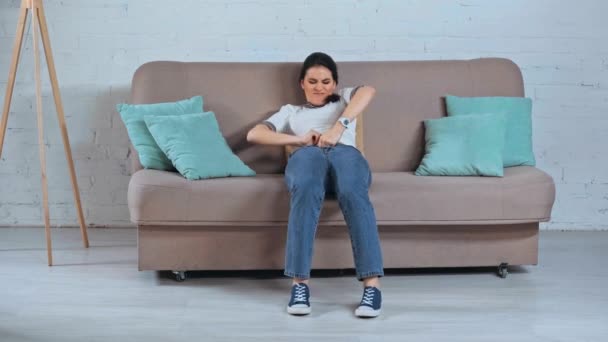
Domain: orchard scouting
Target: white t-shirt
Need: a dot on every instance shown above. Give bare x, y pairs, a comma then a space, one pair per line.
298, 120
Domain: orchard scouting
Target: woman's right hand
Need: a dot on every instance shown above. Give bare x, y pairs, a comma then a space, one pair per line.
310, 138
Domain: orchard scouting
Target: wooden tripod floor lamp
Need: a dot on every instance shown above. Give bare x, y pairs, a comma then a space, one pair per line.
39, 27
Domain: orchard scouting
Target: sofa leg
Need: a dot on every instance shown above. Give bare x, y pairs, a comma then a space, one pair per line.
179, 275
503, 270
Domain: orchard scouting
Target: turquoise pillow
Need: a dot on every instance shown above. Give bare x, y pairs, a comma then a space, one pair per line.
467, 145
518, 144
195, 145
150, 155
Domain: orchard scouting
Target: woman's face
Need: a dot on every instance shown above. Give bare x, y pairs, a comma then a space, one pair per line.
318, 84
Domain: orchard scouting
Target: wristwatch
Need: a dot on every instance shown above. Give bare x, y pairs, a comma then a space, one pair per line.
344, 121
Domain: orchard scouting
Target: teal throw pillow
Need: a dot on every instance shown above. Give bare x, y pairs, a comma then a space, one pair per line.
518, 110
195, 146
467, 145
150, 155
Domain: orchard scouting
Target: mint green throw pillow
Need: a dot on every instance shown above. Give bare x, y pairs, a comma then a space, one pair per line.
467, 145
195, 145
150, 155
518, 110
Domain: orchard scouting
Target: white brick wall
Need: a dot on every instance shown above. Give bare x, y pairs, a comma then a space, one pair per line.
561, 46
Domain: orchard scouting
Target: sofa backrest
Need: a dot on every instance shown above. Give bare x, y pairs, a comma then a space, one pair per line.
407, 92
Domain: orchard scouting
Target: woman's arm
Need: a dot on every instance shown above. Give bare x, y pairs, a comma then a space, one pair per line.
359, 102
356, 106
261, 134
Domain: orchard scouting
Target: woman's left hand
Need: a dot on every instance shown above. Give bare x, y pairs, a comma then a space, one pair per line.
331, 137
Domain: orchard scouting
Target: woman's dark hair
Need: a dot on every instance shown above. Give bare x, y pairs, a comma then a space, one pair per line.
321, 59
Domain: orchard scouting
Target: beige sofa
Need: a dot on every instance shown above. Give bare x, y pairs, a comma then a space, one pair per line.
240, 223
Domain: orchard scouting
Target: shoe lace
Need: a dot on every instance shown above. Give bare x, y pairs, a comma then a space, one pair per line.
300, 293
368, 297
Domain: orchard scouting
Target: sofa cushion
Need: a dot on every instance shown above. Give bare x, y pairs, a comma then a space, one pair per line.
518, 110
524, 194
466, 145
195, 146
150, 155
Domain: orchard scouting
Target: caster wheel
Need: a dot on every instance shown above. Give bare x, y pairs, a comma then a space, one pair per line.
179, 276
503, 270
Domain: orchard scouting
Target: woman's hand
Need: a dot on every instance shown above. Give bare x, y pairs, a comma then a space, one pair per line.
331, 137
310, 138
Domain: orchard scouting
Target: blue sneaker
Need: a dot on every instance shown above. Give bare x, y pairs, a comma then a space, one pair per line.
299, 304
370, 303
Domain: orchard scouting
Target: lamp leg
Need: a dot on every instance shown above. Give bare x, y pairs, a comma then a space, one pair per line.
61, 118
13, 71
41, 145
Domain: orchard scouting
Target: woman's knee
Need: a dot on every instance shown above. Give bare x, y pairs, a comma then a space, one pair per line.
306, 168
306, 183
305, 153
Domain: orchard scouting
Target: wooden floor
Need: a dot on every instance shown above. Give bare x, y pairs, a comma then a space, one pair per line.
98, 295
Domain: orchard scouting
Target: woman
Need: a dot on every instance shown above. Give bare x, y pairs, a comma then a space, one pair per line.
326, 162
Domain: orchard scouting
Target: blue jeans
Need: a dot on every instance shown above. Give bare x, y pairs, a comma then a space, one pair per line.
312, 173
